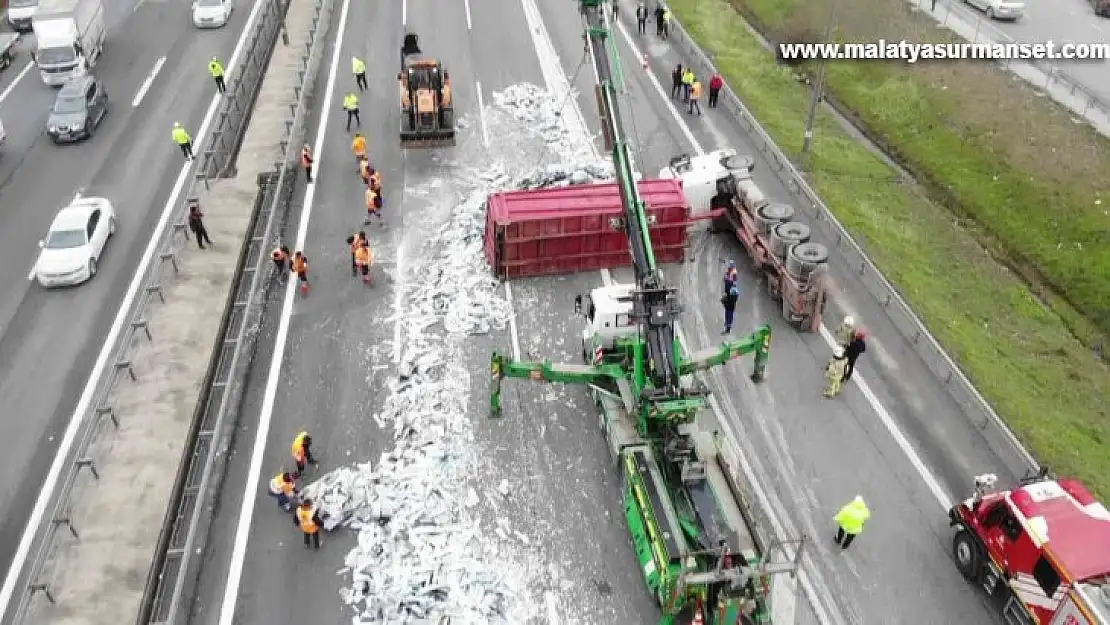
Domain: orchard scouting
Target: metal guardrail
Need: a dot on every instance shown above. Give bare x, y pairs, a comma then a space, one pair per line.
836, 237
213, 161
986, 32
174, 571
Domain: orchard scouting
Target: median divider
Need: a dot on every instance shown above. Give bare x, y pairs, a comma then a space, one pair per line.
89, 553
841, 244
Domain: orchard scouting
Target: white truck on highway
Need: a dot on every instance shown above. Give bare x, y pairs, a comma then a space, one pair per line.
70, 37
20, 13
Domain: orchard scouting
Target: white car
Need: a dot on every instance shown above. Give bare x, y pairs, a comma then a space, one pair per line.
999, 9
211, 13
75, 242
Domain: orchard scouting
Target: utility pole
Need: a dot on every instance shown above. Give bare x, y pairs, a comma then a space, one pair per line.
819, 87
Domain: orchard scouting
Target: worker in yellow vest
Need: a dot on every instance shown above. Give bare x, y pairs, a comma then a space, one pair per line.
850, 521
358, 68
283, 487
302, 452
308, 519
350, 104
216, 68
183, 140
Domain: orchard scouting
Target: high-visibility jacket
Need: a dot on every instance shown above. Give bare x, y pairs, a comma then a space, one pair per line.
357, 66
279, 254
363, 256
695, 90
306, 519
688, 78
298, 446
364, 170
358, 145
666, 16
300, 265
356, 243
216, 68
278, 485
376, 180
180, 137
852, 517
306, 157
371, 197
350, 102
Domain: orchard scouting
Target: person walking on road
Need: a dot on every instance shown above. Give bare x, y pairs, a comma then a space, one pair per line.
695, 95
308, 519
196, 224
358, 147
676, 81
641, 18
299, 266
358, 68
688, 79
302, 451
350, 104
716, 83
216, 68
373, 206
852, 352
283, 487
659, 10
306, 162
183, 140
666, 23
354, 242
616, 9
850, 521
280, 256
730, 276
364, 258
729, 302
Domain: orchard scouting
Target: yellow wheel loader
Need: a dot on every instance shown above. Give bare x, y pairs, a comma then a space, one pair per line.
427, 110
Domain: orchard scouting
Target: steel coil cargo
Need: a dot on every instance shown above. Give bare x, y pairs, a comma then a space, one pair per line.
771, 215
787, 235
806, 258
751, 196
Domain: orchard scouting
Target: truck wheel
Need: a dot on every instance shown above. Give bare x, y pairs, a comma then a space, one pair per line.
968, 556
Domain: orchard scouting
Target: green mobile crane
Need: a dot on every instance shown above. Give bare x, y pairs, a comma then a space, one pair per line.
700, 560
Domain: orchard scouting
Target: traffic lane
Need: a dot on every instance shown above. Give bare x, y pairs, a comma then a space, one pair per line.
339, 360
501, 47
953, 448
136, 172
563, 479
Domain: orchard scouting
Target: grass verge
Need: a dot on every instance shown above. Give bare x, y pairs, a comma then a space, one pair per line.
1018, 351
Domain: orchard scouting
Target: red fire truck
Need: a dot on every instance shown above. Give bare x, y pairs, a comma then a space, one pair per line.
1045, 544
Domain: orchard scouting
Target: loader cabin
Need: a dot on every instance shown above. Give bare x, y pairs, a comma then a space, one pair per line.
1049, 536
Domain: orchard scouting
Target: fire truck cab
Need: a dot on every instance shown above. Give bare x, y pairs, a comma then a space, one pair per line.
1046, 544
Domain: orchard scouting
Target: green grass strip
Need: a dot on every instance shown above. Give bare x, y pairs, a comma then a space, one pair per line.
1017, 351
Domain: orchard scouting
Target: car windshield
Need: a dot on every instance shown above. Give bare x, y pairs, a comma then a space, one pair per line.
65, 239
69, 105
22, 4
209, 3
54, 56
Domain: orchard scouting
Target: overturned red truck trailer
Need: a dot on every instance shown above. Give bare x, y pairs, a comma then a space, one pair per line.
579, 228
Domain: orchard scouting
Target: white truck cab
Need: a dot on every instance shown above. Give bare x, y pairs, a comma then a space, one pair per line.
608, 314
701, 174
20, 13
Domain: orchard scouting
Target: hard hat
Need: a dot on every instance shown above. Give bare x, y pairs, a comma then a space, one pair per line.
849, 320
177, 124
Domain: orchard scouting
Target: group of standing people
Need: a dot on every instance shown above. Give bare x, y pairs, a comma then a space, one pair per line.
283, 487
686, 85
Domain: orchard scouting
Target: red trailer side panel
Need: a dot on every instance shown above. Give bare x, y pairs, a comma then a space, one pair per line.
571, 229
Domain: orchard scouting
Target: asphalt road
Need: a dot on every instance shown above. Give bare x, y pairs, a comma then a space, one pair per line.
1068, 21
812, 454
51, 338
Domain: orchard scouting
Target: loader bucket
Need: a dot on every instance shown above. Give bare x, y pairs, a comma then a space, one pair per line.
421, 139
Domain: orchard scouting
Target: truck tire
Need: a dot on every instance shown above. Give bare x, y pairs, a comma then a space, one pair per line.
968, 556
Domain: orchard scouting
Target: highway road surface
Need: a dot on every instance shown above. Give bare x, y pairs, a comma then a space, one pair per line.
893, 436
50, 339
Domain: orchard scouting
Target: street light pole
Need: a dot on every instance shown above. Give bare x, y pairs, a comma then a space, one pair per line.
819, 86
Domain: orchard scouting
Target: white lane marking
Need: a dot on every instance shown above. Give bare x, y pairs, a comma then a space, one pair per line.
31, 275
404, 12
552, 608
398, 301
931, 482
15, 81
466, 7
83, 404
143, 88
482, 115
250, 489
514, 336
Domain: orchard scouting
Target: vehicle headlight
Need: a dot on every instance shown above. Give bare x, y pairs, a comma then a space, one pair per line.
52, 128
78, 125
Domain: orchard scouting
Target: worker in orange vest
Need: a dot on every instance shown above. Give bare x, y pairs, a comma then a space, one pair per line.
365, 170
375, 180
283, 487
302, 452
695, 95
306, 162
373, 206
299, 266
358, 146
354, 242
364, 258
308, 519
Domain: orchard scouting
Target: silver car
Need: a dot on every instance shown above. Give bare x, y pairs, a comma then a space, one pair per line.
1000, 9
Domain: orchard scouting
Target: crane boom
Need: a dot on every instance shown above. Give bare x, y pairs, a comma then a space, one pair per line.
654, 306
